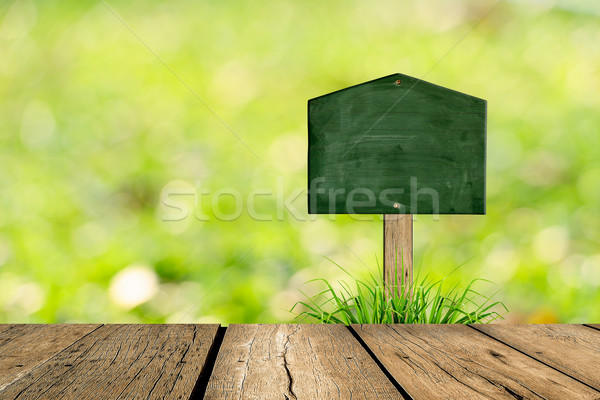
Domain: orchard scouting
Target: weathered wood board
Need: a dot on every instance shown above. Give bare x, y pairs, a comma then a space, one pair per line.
26, 347
122, 361
457, 362
571, 349
295, 361
396, 145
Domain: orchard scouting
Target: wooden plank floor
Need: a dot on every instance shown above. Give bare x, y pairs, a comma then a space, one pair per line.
188, 361
295, 361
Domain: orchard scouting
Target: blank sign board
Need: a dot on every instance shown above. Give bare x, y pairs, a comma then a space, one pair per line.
396, 145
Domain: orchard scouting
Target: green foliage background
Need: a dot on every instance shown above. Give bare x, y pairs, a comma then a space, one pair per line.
105, 109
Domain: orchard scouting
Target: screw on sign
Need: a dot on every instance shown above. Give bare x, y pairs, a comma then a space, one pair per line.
396, 146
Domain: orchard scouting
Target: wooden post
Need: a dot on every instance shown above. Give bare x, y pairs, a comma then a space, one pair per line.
397, 250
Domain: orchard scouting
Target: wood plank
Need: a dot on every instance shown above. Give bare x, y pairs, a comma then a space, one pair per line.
572, 349
397, 252
457, 362
25, 347
122, 361
295, 361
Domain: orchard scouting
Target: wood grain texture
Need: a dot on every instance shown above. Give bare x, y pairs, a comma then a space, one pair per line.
4, 327
397, 252
572, 349
396, 145
295, 362
25, 347
457, 362
122, 361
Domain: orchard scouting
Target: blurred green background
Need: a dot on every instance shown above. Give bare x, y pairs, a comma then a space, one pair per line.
106, 122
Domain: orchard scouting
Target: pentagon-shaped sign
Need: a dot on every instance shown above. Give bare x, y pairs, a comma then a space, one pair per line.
395, 145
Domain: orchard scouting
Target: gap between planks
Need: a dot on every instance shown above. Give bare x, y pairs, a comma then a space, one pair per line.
379, 363
593, 326
202, 383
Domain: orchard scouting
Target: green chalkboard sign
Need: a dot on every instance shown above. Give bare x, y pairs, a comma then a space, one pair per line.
395, 145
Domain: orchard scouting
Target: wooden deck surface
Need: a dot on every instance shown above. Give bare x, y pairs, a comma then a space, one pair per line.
187, 361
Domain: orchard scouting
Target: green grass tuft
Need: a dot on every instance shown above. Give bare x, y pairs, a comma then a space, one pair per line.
423, 302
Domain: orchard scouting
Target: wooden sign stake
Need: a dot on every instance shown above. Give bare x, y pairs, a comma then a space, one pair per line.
397, 252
